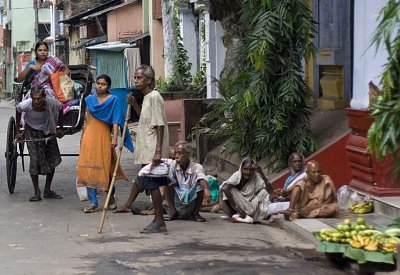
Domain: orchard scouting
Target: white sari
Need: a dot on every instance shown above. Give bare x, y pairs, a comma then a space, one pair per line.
252, 198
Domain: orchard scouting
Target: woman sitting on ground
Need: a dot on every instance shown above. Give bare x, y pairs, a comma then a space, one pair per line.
245, 193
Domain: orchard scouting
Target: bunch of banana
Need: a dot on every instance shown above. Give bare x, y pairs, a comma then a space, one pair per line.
362, 207
366, 243
387, 243
389, 247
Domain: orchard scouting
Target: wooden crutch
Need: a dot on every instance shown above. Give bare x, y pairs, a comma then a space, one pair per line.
121, 146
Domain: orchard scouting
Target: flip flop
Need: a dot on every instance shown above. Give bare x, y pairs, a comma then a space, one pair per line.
35, 198
151, 228
91, 208
112, 204
198, 218
172, 217
52, 195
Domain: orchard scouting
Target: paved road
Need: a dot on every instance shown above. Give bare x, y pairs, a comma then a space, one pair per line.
56, 237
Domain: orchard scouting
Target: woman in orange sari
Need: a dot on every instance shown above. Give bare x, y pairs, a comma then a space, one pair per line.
97, 158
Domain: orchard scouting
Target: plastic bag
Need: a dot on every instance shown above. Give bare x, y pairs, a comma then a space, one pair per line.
360, 204
214, 188
343, 197
159, 171
82, 192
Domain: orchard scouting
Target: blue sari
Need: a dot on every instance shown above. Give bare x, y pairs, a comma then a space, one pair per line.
109, 112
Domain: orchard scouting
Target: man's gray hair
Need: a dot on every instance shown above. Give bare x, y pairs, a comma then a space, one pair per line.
38, 90
186, 145
149, 73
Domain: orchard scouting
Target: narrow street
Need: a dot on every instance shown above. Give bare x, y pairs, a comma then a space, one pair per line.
56, 237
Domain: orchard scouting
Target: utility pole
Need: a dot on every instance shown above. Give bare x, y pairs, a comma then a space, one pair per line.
38, 2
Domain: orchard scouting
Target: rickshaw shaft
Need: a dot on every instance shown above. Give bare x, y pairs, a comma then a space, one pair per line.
35, 140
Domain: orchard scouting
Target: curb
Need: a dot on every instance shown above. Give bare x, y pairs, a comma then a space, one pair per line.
295, 229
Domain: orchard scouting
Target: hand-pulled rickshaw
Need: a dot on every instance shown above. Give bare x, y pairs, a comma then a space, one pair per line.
73, 120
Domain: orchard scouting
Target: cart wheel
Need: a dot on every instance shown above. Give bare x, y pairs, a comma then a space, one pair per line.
11, 156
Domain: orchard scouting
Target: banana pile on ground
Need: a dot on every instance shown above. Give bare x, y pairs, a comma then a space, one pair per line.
362, 236
361, 207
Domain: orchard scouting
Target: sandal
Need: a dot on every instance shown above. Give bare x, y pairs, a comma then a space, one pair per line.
52, 195
112, 204
172, 217
151, 228
91, 208
35, 198
198, 218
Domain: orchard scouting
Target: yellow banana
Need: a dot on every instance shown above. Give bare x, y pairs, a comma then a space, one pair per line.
363, 240
355, 244
371, 247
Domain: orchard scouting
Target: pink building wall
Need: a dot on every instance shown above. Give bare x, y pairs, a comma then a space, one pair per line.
157, 54
124, 22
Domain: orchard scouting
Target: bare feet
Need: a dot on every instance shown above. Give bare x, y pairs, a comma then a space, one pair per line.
290, 215
154, 228
216, 208
123, 209
147, 212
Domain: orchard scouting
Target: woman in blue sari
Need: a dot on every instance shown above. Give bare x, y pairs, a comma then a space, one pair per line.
97, 159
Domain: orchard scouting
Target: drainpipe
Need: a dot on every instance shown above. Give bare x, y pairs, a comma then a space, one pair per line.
37, 20
53, 25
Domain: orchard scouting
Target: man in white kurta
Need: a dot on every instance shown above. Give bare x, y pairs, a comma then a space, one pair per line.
152, 115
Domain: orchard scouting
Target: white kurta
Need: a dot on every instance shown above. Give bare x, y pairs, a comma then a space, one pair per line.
152, 115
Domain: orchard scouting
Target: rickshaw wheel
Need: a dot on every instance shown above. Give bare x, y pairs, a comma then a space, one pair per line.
11, 156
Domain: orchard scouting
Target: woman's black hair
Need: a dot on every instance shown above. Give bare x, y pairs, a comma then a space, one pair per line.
106, 78
38, 44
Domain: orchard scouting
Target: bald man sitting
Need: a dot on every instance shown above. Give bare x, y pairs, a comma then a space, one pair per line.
314, 196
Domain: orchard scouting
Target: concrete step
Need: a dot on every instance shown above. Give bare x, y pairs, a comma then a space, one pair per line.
387, 206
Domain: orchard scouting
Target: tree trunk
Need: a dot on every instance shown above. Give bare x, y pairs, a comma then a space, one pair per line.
169, 33
228, 13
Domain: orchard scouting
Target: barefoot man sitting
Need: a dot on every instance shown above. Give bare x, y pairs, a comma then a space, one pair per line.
314, 196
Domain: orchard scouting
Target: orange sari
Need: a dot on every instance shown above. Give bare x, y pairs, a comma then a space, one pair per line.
97, 159
321, 202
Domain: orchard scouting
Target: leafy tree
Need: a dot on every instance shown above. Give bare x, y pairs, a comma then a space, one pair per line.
263, 110
384, 134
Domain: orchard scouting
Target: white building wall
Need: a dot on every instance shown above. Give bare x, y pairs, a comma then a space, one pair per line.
22, 21
367, 64
215, 55
188, 32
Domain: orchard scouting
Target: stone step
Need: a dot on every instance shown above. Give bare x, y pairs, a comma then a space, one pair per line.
387, 206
